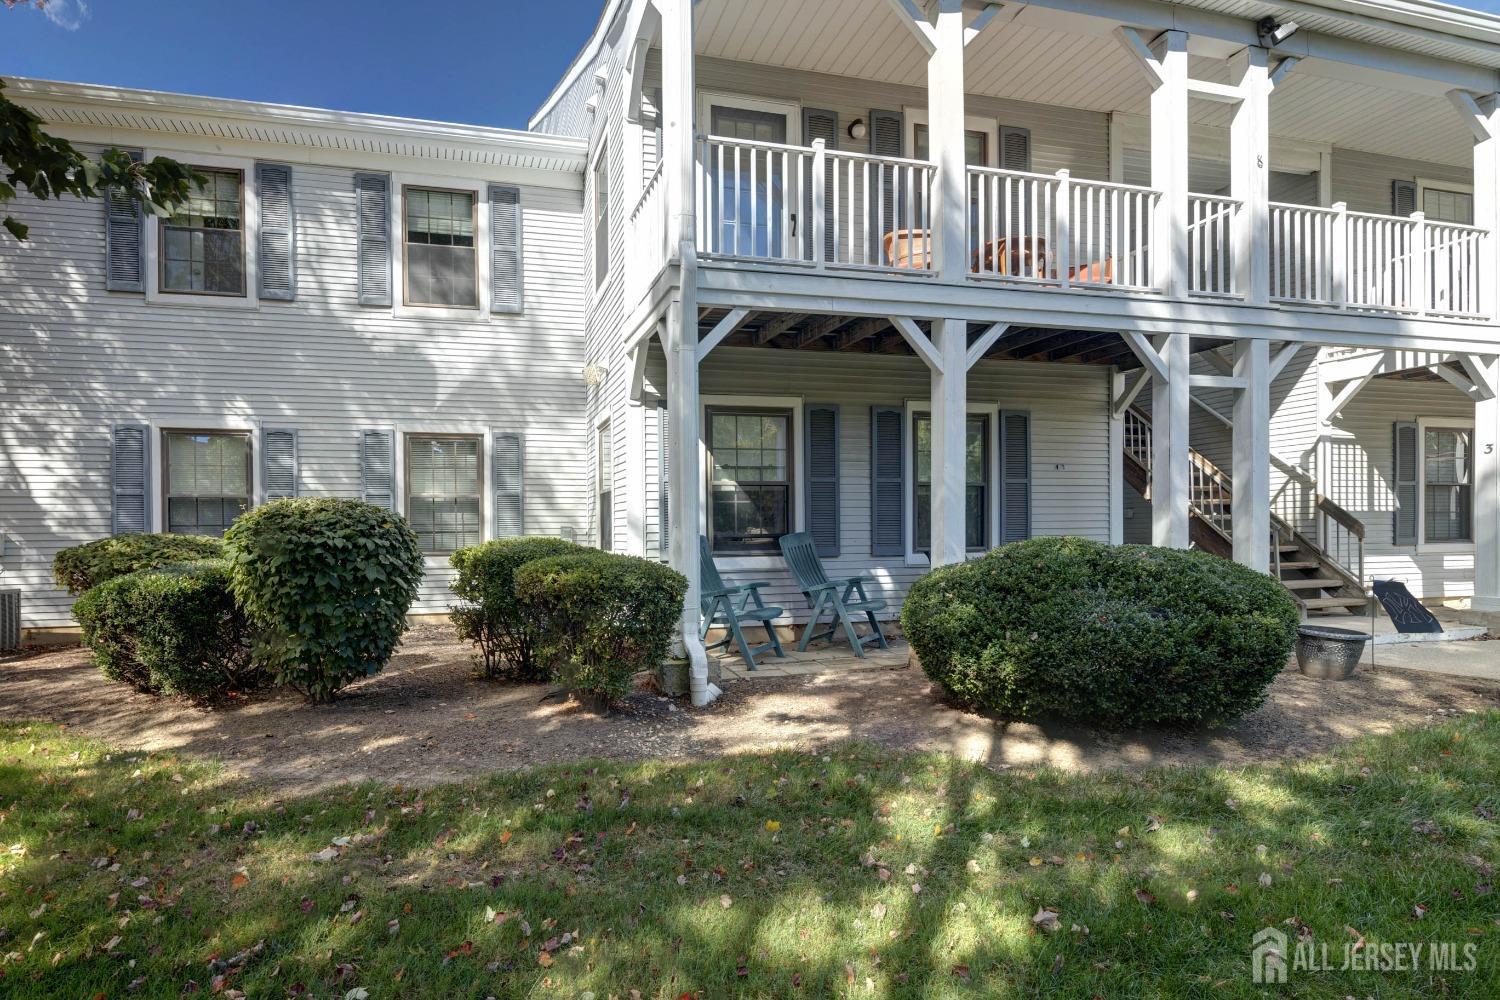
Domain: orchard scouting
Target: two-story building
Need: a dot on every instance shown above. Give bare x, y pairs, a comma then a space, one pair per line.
917, 278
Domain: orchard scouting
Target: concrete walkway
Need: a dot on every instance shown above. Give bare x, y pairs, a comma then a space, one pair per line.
1386, 634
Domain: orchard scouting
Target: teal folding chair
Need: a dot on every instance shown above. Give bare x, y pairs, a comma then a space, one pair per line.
731, 606
841, 598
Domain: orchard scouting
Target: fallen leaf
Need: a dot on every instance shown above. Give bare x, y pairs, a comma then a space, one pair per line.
239, 880
326, 854
544, 959
772, 825
1265, 880
725, 901
1145, 896
878, 912
1046, 919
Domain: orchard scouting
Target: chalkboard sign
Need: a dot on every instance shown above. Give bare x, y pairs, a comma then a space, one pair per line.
1407, 613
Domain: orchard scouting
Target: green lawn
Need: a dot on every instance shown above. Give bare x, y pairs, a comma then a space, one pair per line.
861, 874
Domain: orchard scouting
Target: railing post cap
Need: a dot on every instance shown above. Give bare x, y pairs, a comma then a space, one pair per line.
818, 144
1063, 174
1418, 216
1340, 206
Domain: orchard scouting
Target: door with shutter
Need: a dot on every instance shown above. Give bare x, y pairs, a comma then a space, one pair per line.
887, 481
823, 477
748, 184
1015, 475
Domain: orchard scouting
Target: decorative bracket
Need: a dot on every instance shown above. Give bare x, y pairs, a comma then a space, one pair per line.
914, 18
984, 342
730, 323
913, 335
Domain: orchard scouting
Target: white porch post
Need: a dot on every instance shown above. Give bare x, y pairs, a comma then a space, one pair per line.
1251, 512
1170, 402
1487, 497
1169, 164
685, 509
945, 145
949, 423
1116, 459
1250, 172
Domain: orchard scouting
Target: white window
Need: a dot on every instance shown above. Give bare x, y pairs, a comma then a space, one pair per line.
203, 241
601, 215
206, 479
445, 490
750, 478
1447, 484
604, 476
976, 482
441, 266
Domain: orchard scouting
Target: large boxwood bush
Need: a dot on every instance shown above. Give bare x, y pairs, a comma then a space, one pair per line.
490, 616
605, 617
170, 630
1109, 635
329, 581
84, 566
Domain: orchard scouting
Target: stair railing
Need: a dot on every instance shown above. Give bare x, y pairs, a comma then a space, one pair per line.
1342, 536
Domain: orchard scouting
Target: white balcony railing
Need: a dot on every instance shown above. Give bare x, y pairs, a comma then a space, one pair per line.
1210, 242
647, 250
763, 201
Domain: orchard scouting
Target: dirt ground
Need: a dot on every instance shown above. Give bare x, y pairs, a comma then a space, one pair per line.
426, 719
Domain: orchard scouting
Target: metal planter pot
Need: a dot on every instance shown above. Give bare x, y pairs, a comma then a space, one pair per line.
1329, 654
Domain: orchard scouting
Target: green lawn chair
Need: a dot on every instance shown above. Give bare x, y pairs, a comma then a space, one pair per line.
720, 607
840, 598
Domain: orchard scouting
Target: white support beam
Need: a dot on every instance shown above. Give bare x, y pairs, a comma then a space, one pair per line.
1250, 176
1117, 392
1375, 362
913, 17
1457, 380
912, 334
1213, 412
638, 355
990, 15
723, 328
946, 123
1481, 372
1217, 381
984, 342
950, 409
1217, 359
1146, 353
1282, 71
1479, 123
1251, 469
1219, 93
1169, 166
1150, 65
1283, 358
1486, 502
1344, 396
1126, 394
1170, 406
1483, 116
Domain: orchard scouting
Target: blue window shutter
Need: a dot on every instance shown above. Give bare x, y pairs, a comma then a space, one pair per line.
505, 250
1015, 475
823, 477
377, 468
276, 258
887, 481
1403, 198
887, 138
1015, 148
129, 461
1405, 445
279, 470
664, 478
508, 461
819, 124
124, 240
372, 195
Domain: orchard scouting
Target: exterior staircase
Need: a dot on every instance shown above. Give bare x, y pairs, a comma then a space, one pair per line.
1324, 578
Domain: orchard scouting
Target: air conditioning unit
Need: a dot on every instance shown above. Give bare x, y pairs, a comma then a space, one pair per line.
10, 620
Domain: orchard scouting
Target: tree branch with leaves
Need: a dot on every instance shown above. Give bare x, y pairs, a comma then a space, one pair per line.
49, 167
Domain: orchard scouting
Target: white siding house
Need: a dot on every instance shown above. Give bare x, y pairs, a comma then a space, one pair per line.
915, 278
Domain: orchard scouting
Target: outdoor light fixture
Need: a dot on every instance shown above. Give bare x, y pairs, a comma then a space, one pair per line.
594, 375
857, 129
1273, 32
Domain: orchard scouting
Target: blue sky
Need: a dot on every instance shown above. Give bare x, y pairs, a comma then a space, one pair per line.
440, 60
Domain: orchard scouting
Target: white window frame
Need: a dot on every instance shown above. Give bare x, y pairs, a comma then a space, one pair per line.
467, 185
598, 281
208, 424
601, 426
991, 411
989, 126
795, 404
1438, 423
249, 229
791, 109
1456, 187
486, 472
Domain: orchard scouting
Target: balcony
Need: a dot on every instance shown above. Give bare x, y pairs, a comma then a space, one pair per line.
764, 204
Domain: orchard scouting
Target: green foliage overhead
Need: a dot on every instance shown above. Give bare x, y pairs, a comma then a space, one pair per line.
489, 614
605, 617
50, 167
170, 630
84, 566
1107, 635
329, 581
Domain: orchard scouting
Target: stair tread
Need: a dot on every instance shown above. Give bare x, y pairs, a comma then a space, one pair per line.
1333, 602
1318, 583
1300, 565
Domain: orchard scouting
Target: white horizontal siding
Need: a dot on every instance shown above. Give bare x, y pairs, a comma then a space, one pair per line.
77, 358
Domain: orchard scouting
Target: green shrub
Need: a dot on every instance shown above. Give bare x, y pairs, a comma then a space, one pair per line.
1116, 636
604, 617
329, 582
170, 630
490, 617
85, 566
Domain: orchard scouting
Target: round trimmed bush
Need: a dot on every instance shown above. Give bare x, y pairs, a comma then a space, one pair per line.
329, 582
604, 617
1109, 635
170, 630
84, 566
490, 616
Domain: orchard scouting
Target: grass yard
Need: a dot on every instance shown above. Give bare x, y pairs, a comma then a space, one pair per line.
861, 873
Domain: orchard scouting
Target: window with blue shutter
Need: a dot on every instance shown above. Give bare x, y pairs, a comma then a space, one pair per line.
506, 294
1015, 475
887, 481
123, 240
377, 468
372, 195
508, 465
278, 456
823, 477
1404, 482
276, 256
130, 448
